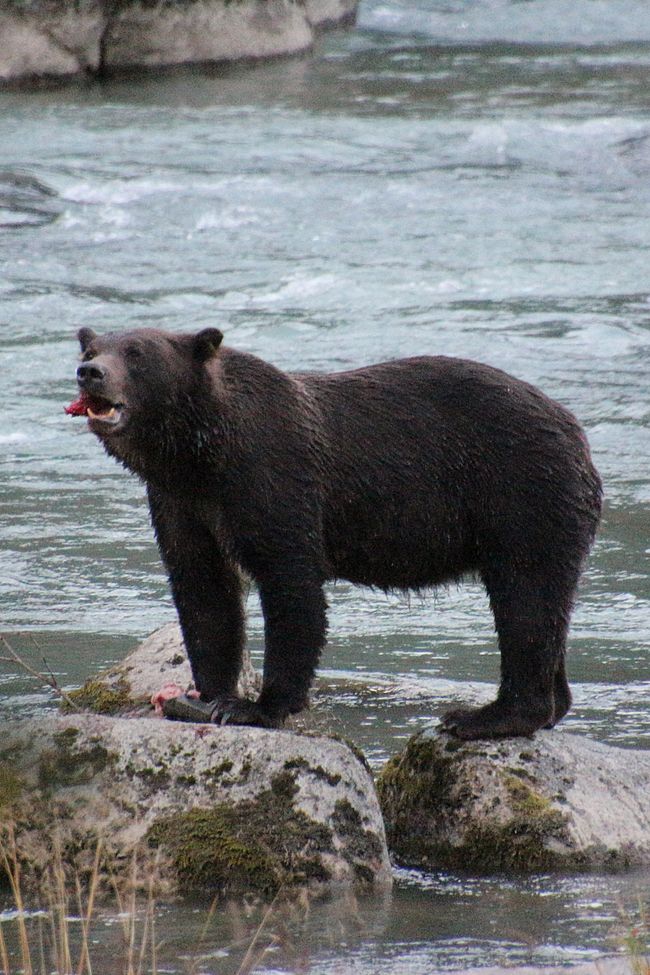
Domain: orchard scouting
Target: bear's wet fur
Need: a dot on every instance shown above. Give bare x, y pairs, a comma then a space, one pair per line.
403, 475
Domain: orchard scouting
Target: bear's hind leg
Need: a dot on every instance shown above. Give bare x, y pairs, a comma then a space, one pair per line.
531, 613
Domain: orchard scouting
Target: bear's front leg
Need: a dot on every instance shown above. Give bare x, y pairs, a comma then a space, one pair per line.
207, 592
295, 624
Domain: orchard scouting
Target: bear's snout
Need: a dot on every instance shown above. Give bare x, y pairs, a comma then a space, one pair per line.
91, 374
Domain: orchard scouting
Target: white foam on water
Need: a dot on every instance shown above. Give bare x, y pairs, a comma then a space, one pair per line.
301, 286
17, 437
228, 219
116, 191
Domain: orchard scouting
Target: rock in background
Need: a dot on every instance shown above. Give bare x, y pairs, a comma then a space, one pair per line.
56, 39
230, 810
129, 685
557, 801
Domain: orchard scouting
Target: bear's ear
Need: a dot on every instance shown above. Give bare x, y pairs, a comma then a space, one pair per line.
205, 344
85, 336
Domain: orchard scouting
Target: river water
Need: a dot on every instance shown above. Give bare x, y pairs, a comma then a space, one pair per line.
467, 178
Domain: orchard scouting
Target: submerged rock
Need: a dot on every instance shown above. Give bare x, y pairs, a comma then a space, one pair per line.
25, 201
55, 39
557, 801
229, 810
160, 658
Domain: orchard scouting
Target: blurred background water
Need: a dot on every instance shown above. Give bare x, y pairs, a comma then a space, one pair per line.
467, 178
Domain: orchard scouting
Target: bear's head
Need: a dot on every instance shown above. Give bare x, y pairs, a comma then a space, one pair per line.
139, 389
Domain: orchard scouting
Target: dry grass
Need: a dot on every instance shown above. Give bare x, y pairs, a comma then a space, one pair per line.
65, 934
56, 937
636, 939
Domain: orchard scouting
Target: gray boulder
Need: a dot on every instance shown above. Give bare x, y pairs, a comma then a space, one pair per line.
58, 39
323, 14
557, 801
229, 810
204, 30
49, 43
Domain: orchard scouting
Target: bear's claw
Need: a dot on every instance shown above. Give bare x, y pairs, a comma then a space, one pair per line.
495, 720
241, 711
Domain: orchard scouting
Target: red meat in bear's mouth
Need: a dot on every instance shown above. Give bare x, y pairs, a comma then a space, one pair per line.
95, 408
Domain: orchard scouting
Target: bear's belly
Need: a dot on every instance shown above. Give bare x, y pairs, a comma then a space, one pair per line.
398, 557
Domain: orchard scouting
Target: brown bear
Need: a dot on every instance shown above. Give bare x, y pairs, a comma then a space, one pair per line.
402, 475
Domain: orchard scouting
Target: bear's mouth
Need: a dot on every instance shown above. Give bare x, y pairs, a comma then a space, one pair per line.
97, 409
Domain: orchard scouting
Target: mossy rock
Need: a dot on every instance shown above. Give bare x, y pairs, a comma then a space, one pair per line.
10, 787
256, 845
228, 810
559, 802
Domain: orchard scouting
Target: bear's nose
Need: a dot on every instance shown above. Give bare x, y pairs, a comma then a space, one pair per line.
90, 372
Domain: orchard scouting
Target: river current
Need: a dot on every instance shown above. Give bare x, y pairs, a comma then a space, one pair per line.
464, 178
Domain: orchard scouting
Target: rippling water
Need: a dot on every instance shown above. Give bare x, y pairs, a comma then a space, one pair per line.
468, 178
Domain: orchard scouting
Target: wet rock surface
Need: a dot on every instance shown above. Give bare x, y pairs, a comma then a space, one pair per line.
557, 801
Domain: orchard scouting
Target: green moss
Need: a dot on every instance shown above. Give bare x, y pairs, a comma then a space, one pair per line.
522, 773
360, 846
186, 779
414, 781
66, 738
155, 778
283, 785
256, 845
10, 786
68, 764
316, 770
423, 793
524, 800
521, 842
102, 698
218, 771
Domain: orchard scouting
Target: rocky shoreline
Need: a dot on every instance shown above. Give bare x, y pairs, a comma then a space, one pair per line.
58, 40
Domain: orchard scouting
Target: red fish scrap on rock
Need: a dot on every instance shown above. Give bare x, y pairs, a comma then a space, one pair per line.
168, 692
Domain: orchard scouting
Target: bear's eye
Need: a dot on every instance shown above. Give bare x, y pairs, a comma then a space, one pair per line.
87, 356
133, 352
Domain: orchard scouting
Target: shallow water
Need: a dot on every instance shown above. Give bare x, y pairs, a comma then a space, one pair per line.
467, 178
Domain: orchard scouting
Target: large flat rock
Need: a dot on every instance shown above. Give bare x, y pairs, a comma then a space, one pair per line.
557, 801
